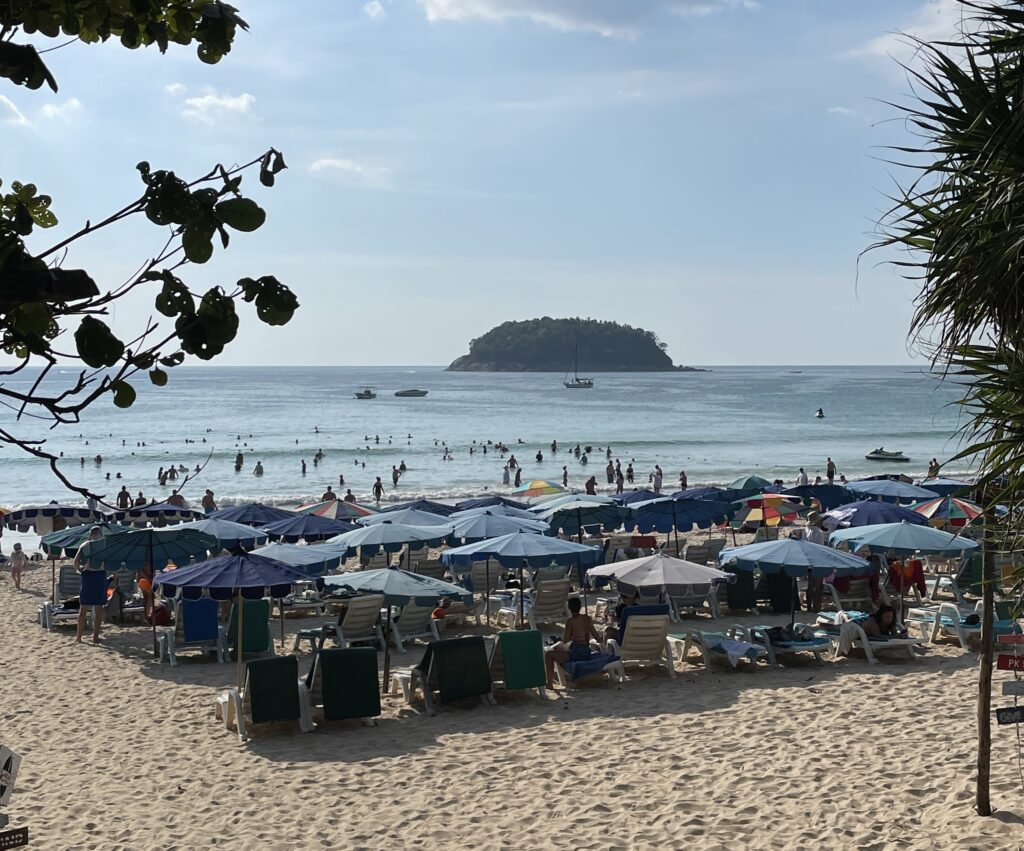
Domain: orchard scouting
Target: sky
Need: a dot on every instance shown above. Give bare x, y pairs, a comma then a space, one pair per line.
709, 170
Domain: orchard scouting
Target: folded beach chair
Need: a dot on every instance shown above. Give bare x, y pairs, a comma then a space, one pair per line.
270, 694
734, 644
643, 637
455, 667
693, 598
851, 634
195, 627
342, 683
256, 635
803, 640
413, 622
517, 661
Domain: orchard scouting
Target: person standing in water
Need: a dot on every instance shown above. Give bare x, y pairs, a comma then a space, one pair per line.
519, 476
830, 470
565, 477
378, 490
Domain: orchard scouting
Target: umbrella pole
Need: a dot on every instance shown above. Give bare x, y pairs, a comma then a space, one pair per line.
280, 607
792, 604
53, 580
583, 585
487, 588
238, 640
152, 591
387, 651
675, 528
522, 617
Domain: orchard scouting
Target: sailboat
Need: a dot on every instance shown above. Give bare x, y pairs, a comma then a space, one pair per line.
577, 383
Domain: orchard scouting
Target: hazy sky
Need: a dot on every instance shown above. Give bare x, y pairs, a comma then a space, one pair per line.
706, 169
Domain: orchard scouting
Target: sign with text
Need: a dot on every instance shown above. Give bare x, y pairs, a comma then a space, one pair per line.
1014, 687
9, 762
1010, 715
1014, 638
16, 838
1009, 662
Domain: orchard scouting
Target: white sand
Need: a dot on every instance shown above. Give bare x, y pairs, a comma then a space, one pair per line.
120, 752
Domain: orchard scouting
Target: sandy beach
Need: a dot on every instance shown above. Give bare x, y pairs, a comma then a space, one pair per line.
121, 752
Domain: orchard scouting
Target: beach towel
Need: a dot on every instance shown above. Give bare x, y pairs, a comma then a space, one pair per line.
94, 588
734, 650
583, 661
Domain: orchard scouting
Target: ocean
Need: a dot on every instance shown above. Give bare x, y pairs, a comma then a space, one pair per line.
716, 425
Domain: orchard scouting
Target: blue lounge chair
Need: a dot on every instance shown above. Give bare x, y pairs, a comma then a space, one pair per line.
195, 627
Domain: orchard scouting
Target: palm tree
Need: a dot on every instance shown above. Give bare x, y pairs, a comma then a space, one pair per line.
960, 221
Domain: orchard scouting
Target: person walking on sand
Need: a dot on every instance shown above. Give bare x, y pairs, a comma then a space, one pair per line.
378, 490
18, 563
830, 469
92, 594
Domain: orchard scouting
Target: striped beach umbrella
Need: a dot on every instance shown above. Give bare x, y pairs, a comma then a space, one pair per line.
765, 509
336, 509
537, 487
949, 511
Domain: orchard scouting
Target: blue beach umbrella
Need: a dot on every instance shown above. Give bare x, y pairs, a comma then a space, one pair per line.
890, 489
496, 510
573, 516
156, 512
828, 496
641, 495
709, 492
427, 505
549, 501
314, 559
306, 527
405, 517
478, 527
387, 536
229, 535
66, 542
252, 514
156, 547
41, 518
903, 539
871, 512
947, 487
488, 502
675, 514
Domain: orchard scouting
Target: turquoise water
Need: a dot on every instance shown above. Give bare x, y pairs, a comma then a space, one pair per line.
716, 425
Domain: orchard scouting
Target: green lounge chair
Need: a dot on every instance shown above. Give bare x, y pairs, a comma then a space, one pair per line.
517, 661
455, 667
256, 637
342, 684
270, 694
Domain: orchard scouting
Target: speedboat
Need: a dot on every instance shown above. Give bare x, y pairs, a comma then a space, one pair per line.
367, 393
882, 454
405, 394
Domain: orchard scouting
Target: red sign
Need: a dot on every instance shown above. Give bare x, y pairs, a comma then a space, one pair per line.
1006, 662
1015, 638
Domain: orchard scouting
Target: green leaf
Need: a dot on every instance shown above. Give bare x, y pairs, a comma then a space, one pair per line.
242, 214
124, 394
96, 343
197, 244
173, 360
158, 377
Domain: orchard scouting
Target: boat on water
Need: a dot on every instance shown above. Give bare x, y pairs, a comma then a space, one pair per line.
367, 392
407, 394
881, 454
577, 382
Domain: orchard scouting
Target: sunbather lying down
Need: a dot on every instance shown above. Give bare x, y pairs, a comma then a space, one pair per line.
575, 644
881, 623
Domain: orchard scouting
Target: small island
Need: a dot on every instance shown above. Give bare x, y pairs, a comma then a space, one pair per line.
549, 345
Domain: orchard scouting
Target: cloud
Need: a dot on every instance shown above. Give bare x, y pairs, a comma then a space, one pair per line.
9, 113
61, 111
208, 108
374, 10
846, 112
610, 18
175, 89
936, 20
369, 176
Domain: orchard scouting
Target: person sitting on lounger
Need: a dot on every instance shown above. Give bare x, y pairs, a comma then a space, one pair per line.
575, 646
144, 579
881, 623
612, 630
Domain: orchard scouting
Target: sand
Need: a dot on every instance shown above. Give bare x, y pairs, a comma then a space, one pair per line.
123, 753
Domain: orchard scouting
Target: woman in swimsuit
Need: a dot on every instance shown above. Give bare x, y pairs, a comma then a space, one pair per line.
575, 647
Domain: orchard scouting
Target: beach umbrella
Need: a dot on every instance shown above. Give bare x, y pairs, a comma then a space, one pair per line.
43, 518
399, 588
766, 509
827, 496
387, 536
477, 527
949, 511
427, 505
709, 492
902, 539
314, 560
574, 516
793, 557
234, 575
405, 517
496, 510
672, 514
946, 487
162, 513
252, 514
748, 485
537, 487
156, 547
488, 502
547, 502
523, 549
871, 512
229, 535
634, 496
337, 509
66, 543
890, 489
306, 527
660, 572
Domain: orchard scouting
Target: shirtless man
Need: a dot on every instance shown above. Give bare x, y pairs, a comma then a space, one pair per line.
579, 629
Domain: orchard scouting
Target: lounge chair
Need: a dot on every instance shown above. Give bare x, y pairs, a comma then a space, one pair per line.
256, 636
517, 661
548, 574
434, 569
547, 605
195, 627
857, 598
698, 554
948, 620
359, 622
69, 584
733, 644
342, 684
643, 637
693, 598
771, 533
413, 622
457, 668
851, 634
716, 545
804, 640
270, 694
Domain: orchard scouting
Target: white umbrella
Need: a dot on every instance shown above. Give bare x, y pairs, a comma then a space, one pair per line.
659, 571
